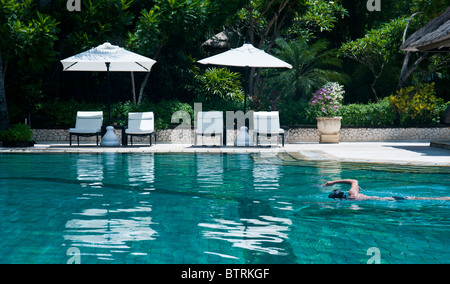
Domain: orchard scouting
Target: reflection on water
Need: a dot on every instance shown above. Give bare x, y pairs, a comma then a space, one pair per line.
90, 170
141, 170
108, 232
209, 171
262, 234
109, 225
266, 176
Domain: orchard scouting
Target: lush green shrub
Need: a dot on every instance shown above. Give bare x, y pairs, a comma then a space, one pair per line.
294, 112
63, 114
165, 109
441, 108
17, 133
360, 115
372, 114
418, 105
219, 83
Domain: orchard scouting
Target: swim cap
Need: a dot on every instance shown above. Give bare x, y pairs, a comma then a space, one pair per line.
337, 194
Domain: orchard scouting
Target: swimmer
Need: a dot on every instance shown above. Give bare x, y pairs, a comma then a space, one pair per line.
353, 193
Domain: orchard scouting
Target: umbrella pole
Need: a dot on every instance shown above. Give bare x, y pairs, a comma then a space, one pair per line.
243, 137
110, 138
245, 102
246, 88
108, 92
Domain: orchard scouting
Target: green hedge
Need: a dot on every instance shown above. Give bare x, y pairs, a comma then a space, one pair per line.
373, 114
62, 114
17, 133
359, 115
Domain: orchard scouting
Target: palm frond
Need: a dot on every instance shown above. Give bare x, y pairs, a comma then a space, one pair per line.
313, 65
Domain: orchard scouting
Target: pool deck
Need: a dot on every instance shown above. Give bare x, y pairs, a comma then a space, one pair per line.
401, 153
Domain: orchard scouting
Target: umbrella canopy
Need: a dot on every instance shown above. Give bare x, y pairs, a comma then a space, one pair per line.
108, 58
120, 59
246, 56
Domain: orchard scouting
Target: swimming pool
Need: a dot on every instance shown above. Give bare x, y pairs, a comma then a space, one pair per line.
215, 209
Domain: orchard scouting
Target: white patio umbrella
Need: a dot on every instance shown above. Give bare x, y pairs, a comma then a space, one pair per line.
250, 57
246, 56
120, 59
108, 58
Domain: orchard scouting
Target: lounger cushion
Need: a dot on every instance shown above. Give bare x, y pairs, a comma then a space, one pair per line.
83, 131
140, 123
88, 122
267, 122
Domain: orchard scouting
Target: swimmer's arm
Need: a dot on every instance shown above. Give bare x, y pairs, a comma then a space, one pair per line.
354, 189
352, 182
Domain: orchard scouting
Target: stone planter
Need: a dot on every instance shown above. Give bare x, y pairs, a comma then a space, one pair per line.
329, 129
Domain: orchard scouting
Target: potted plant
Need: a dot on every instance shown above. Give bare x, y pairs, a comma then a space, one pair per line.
327, 102
17, 135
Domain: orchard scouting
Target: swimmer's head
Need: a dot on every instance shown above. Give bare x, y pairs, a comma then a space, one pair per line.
337, 194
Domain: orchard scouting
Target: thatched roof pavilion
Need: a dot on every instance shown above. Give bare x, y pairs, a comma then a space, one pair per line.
433, 37
220, 41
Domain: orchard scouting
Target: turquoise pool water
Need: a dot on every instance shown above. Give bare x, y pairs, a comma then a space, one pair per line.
215, 209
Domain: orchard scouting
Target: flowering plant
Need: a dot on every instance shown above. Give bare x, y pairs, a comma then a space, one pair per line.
328, 99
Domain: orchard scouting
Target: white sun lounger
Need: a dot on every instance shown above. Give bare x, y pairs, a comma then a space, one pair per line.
141, 124
209, 123
267, 123
89, 123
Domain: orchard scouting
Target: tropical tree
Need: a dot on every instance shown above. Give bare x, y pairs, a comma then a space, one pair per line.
220, 83
7, 8
313, 66
27, 38
97, 22
376, 48
172, 24
4, 118
317, 16
267, 20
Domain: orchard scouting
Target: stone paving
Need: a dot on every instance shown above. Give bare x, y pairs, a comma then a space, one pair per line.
404, 153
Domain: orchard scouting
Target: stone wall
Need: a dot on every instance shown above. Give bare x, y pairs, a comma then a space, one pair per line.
373, 134
185, 136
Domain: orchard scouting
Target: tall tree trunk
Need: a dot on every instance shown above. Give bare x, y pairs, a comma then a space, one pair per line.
405, 72
4, 119
375, 79
275, 25
141, 92
133, 88
144, 83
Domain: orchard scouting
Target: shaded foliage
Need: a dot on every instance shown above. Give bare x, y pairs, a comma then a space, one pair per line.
305, 33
